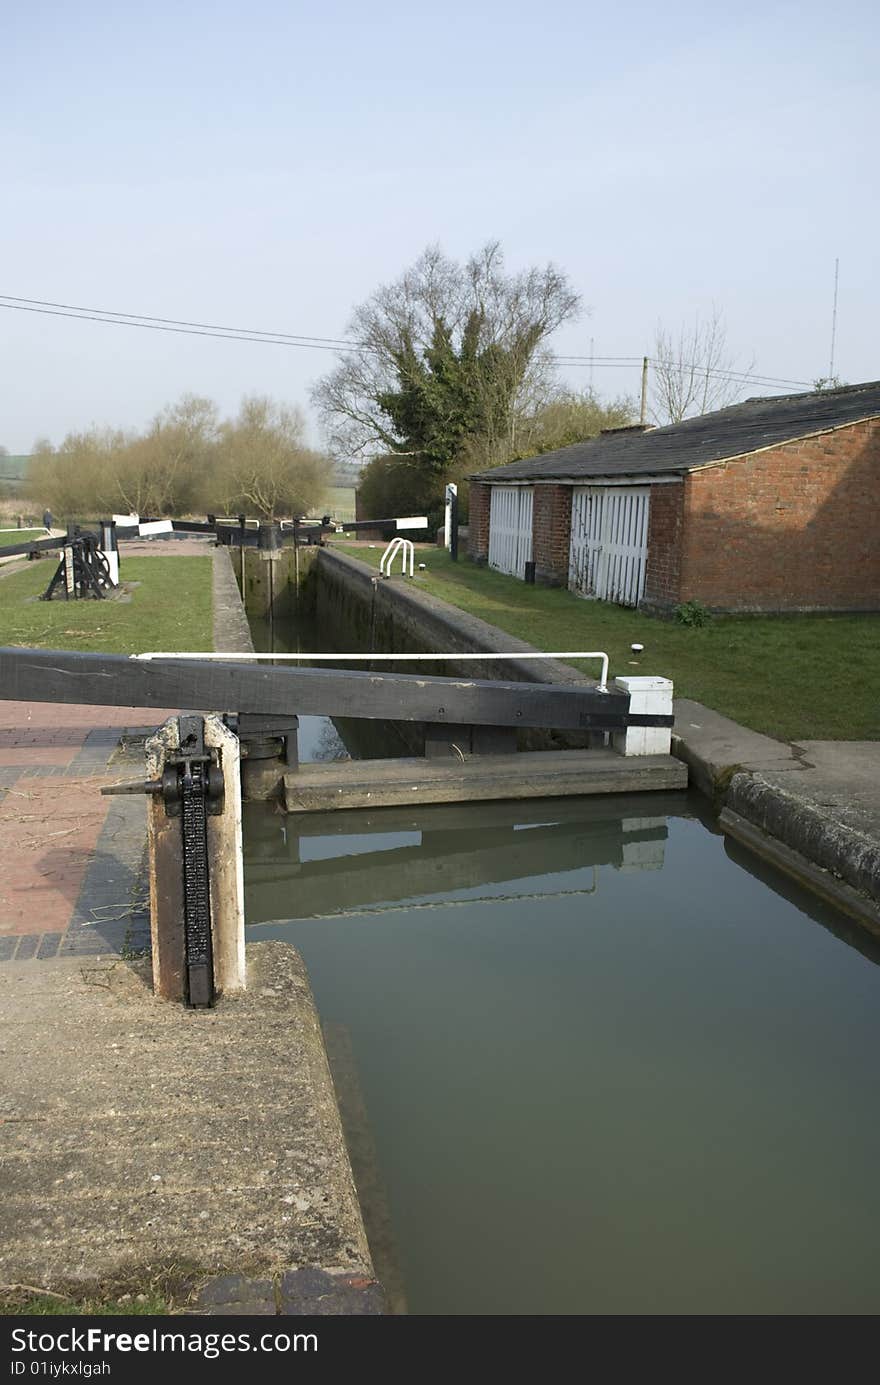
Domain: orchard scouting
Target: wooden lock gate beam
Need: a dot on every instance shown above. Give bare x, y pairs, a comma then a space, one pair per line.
115, 680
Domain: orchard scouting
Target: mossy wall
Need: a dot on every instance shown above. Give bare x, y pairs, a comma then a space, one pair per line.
359, 611
276, 586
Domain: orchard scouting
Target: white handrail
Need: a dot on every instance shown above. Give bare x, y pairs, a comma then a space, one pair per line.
390, 551
390, 658
395, 546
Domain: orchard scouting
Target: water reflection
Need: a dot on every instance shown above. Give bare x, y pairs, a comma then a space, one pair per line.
590, 1059
321, 865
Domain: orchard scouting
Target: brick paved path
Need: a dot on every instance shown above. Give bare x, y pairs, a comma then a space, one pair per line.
73, 873
72, 869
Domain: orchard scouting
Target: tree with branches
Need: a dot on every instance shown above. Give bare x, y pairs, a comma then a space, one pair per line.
264, 467
447, 358
694, 372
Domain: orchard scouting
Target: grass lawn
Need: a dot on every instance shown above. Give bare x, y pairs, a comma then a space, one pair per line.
14, 536
799, 677
171, 608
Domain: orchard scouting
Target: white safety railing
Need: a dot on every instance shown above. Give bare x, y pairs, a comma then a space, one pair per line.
390, 658
402, 546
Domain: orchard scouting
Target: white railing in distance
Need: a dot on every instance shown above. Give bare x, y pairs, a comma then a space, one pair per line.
405, 548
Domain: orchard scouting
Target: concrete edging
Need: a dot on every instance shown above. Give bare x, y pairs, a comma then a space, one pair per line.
803, 827
231, 632
794, 863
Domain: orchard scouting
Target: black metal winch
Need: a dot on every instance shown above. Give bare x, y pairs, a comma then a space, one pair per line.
191, 787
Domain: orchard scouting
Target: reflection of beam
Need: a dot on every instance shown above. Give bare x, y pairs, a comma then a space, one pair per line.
470, 818
444, 861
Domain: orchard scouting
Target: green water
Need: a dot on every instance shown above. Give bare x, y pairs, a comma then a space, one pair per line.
600, 1062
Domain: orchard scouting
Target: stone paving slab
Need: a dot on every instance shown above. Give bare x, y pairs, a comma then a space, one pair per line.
142, 1141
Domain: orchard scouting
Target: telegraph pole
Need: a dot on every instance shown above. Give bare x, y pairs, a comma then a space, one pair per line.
833, 323
643, 412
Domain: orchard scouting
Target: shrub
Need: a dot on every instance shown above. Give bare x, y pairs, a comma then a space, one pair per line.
692, 613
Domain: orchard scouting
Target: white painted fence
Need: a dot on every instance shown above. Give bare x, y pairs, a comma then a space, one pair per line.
609, 542
510, 529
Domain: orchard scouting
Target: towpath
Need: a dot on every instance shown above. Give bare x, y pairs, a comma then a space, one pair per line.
144, 1146
72, 867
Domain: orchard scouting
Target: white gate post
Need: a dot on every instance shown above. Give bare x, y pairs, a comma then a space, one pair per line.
451, 493
653, 697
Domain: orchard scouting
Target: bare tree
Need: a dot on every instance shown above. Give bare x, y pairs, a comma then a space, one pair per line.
264, 466
78, 477
694, 372
186, 460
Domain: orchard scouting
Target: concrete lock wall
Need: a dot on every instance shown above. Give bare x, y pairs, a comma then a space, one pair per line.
276, 584
358, 611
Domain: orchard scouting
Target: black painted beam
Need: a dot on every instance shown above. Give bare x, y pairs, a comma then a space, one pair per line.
31, 546
113, 680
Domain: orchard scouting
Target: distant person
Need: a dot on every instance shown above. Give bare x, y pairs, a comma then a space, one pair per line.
47, 521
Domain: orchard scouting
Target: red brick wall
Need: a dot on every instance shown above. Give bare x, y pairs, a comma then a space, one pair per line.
478, 521
663, 567
792, 528
551, 534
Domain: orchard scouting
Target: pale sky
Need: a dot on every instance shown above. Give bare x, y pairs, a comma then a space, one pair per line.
269, 165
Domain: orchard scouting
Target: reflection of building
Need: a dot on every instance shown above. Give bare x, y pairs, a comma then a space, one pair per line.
317, 864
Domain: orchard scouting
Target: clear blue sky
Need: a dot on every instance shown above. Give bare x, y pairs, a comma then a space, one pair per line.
270, 164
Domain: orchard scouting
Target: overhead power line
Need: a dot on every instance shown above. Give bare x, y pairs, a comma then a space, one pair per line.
266, 338
747, 376
337, 345
111, 314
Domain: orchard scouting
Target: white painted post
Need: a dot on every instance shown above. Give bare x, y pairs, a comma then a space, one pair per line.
451, 492
652, 696
226, 863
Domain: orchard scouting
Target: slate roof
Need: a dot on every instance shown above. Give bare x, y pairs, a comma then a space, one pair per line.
680, 447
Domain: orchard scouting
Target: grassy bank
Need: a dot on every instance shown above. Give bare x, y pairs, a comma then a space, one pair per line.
808, 677
167, 605
10, 537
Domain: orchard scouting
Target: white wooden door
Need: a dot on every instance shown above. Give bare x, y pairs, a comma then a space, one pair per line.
510, 528
609, 542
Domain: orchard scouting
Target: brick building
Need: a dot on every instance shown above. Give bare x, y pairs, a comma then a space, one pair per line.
770, 505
